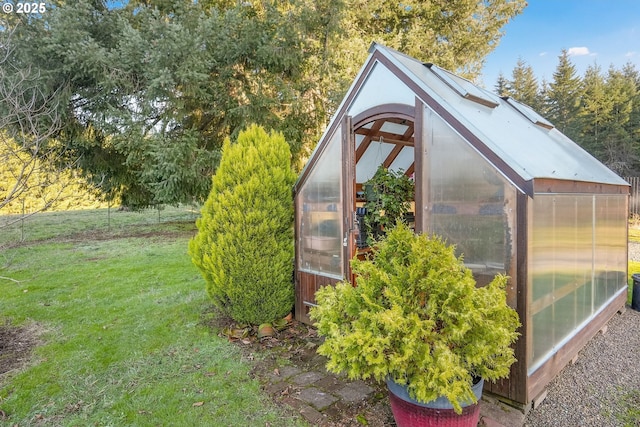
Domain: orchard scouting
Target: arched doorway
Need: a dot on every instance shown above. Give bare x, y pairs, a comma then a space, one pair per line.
381, 137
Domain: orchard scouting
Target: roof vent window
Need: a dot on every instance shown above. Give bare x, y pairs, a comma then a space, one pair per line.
529, 113
464, 87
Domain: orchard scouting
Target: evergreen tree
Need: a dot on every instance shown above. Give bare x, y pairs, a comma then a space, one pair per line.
502, 85
244, 245
544, 103
523, 85
633, 125
455, 35
595, 111
620, 150
563, 97
150, 90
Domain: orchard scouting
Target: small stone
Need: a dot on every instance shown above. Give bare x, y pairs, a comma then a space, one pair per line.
307, 378
317, 398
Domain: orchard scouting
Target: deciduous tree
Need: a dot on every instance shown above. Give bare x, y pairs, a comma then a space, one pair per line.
30, 118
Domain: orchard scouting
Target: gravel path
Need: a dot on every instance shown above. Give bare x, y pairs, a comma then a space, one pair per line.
603, 387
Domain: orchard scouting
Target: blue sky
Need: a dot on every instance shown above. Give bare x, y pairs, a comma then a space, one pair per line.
593, 31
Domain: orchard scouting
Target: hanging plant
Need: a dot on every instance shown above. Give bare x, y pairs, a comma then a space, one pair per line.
388, 199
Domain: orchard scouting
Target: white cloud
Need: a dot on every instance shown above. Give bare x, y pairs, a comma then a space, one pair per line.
630, 54
542, 54
578, 51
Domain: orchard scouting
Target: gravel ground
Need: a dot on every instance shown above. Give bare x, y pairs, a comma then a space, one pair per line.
603, 387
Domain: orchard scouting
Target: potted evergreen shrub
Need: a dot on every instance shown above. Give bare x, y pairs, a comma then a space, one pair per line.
417, 320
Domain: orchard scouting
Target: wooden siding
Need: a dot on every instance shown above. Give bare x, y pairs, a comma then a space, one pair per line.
306, 286
514, 388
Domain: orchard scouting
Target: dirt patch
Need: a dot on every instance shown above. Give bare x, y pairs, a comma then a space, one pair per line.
16, 344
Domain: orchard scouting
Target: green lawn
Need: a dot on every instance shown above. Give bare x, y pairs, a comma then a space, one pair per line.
112, 222
124, 339
124, 335
634, 234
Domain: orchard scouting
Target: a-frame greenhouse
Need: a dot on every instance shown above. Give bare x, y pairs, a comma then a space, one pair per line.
493, 177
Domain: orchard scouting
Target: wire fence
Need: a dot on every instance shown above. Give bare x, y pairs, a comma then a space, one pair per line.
15, 229
20, 228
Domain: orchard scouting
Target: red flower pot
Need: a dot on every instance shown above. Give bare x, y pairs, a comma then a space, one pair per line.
411, 413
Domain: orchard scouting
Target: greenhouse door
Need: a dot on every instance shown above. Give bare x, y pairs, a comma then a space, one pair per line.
383, 137
351, 229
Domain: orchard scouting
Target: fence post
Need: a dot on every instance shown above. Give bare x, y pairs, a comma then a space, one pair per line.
22, 223
634, 197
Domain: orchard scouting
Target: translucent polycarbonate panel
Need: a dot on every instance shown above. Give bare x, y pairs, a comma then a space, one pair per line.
404, 160
319, 206
395, 128
381, 87
373, 157
577, 263
530, 151
467, 201
611, 248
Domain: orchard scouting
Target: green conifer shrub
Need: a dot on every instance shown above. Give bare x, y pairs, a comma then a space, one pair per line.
417, 317
244, 246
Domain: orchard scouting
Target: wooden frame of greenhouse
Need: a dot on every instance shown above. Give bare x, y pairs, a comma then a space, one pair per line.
493, 177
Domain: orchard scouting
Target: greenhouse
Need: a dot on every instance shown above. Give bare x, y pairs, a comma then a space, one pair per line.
491, 176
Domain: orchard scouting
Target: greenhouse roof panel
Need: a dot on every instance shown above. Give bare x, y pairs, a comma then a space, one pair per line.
524, 142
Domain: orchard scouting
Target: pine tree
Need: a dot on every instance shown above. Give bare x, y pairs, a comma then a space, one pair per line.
544, 103
564, 94
502, 86
595, 111
149, 91
633, 125
244, 246
524, 86
620, 151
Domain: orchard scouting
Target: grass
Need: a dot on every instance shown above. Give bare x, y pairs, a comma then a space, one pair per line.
631, 404
634, 234
125, 339
124, 328
114, 223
